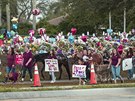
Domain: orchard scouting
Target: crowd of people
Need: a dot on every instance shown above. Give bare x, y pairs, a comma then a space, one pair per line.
110, 52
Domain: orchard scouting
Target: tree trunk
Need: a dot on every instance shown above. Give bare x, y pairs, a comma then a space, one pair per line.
8, 16
34, 16
0, 16
110, 20
124, 20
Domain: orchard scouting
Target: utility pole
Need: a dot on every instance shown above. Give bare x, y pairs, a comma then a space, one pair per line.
110, 20
124, 19
8, 16
34, 16
0, 15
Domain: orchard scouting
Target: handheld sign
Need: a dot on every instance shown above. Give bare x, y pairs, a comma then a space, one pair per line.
79, 71
127, 64
19, 59
51, 65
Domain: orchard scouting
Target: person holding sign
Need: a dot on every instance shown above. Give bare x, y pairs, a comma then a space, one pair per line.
133, 62
52, 56
81, 62
86, 61
129, 55
114, 63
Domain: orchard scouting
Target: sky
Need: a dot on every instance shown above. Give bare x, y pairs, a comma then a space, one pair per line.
40, 15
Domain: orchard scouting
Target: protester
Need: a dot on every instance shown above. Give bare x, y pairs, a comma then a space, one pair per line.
106, 57
81, 62
27, 62
52, 56
94, 44
80, 54
115, 62
86, 61
10, 63
42, 50
130, 55
133, 62
120, 49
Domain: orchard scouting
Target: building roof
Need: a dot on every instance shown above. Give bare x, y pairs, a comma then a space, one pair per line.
57, 21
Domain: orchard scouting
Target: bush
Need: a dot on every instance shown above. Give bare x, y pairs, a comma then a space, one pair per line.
71, 22
50, 29
23, 28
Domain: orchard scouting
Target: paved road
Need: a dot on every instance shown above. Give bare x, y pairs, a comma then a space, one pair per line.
105, 94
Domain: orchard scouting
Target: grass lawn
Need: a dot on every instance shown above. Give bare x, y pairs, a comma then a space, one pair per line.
58, 86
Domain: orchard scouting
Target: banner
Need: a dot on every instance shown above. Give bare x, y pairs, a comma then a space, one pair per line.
51, 65
127, 64
79, 71
19, 59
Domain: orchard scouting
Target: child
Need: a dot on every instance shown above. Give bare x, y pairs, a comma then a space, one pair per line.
13, 76
81, 62
52, 56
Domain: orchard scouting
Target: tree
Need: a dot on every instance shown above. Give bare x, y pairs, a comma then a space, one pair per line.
25, 8
56, 9
91, 14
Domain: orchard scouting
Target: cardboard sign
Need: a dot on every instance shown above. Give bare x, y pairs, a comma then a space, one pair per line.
127, 64
79, 71
19, 59
51, 65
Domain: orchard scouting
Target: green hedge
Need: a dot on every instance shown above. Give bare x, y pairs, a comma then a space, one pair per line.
23, 28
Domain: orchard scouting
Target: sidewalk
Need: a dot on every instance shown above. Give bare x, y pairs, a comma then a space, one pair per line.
45, 82
75, 81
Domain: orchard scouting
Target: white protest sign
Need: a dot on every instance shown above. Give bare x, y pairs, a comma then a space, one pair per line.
127, 64
79, 71
51, 65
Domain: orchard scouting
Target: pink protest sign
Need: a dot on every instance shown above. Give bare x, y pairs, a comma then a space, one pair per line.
19, 59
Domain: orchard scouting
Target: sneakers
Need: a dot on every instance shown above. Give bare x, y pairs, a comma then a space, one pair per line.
22, 79
31, 80
122, 81
84, 83
52, 81
115, 81
55, 78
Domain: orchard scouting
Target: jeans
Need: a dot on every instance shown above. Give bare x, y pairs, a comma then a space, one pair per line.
52, 75
24, 72
131, 72
116, 72
10, 69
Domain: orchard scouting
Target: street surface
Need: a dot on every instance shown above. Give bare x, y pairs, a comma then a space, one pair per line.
104, 94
